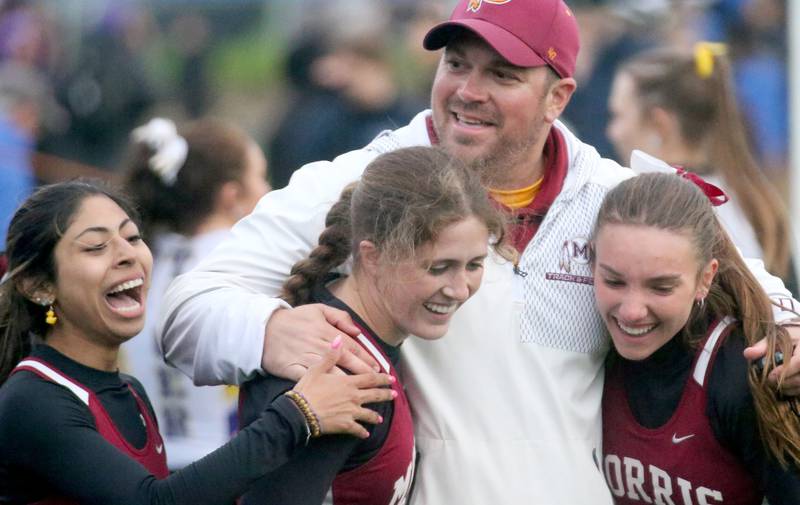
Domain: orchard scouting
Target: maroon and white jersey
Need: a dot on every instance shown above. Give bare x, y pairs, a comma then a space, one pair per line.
681, 462
152, 456
387, 477
341, 469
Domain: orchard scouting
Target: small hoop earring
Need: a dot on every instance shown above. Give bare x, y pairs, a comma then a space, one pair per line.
701, 302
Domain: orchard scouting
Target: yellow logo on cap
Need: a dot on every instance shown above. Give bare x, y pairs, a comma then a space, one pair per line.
551, 53
475, 5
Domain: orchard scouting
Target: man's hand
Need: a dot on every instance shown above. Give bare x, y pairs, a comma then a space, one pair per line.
791, 384
296, 338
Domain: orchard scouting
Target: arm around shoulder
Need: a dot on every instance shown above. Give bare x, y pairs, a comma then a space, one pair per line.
213, 321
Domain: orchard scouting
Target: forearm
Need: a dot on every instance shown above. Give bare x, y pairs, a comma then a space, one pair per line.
98, 473
214, 316
265, 445
217, 335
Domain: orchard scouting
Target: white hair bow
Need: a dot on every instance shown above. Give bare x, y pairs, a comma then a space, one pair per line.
170, 149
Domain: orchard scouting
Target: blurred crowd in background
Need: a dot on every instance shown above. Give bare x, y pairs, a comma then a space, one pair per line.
310, 79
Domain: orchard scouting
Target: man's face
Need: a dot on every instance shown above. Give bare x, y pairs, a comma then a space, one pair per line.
488, 112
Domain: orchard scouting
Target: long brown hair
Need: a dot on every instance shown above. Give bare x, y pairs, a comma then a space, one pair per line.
403, 200
708, 116
669, 202
217, 153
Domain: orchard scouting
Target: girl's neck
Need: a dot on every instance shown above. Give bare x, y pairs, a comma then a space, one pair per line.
83, 351
214, 222
690, 158
359, 293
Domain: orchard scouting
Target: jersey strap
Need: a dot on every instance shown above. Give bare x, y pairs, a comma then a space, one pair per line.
373, 350
43, 370
710, 348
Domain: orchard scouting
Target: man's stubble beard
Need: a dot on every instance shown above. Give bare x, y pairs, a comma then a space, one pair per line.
498, 168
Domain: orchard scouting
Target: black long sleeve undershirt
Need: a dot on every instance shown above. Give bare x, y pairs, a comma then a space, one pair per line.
307, 479
49, 444
654, 388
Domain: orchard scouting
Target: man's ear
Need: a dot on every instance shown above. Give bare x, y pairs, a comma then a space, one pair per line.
558, 97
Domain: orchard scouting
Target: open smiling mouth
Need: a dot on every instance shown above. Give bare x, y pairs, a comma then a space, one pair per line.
634, 331
440, 308
126, 297
470, 121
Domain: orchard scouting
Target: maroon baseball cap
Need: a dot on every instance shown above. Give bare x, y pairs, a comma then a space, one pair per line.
528, 33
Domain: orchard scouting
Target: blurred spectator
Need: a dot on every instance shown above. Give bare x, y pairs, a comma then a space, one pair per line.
417, 64
611, 31
107, 90
345, 93
756, 32
190, 34
304, 133
191, 188
25, 34
680, 106
23, 96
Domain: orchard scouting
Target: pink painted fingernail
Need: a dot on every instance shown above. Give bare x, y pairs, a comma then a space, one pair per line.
394, 394
392, 379
337, 342
380, 419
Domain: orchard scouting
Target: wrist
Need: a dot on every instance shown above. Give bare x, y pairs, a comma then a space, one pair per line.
266, 336
313, 429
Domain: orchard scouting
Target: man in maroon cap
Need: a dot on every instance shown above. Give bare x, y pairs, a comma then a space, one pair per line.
507, 406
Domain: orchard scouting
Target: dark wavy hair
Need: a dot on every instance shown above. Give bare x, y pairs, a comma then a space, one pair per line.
37, 226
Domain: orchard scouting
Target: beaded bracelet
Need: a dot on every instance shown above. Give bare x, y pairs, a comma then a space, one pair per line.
312, 421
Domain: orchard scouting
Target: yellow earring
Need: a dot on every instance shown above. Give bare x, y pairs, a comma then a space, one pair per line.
50, 317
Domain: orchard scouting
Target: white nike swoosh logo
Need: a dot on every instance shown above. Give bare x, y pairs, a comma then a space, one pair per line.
160, 447
677, 440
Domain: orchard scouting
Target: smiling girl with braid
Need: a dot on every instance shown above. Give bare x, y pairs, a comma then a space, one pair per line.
417, 227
